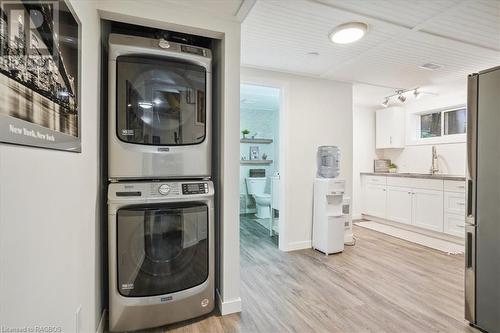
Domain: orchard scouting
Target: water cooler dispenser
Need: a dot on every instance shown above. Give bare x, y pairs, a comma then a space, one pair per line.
331, 215
328, 219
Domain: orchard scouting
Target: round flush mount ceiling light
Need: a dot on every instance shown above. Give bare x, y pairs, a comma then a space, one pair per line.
348, 32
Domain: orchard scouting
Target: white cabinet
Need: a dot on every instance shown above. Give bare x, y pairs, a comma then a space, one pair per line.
454, 211
399, 204
428, 209
374, 199
418, 202
390, 128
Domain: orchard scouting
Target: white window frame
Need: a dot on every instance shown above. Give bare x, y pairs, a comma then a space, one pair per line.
413, 124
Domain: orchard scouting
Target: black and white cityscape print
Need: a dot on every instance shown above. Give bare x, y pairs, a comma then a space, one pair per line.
39, 55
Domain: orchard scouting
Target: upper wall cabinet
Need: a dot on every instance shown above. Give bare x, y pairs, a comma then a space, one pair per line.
390, 128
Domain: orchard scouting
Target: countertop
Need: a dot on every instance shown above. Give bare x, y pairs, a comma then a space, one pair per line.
416, 175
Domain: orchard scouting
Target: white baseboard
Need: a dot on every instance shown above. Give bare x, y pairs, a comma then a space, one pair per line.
102, 322
228, 307
430, 233
357, 217
294, 246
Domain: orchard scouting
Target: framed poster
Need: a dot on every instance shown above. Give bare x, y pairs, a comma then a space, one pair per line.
40, 74
254, 152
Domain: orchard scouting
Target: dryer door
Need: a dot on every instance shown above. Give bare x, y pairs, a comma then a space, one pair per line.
161, 249
160, 102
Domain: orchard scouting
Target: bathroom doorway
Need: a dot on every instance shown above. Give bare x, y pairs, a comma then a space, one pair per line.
260, 164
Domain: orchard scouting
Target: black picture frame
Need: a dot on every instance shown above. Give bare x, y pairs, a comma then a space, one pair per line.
40, 74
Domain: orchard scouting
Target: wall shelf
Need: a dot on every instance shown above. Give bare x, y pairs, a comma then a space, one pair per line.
265, 141
256, 161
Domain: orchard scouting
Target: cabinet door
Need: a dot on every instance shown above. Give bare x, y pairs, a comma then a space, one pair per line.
374, 200
382, 132
428, 209
454, 203
389, 128
399, 202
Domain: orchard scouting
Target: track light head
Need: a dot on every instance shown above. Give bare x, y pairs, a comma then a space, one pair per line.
416, 93
402, 98
385, 103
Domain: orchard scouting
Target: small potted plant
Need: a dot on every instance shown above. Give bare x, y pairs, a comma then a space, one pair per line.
393, 168
245, 132
264, 156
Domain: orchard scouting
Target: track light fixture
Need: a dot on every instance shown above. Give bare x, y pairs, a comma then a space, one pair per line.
416, 93
402, 98
401, 95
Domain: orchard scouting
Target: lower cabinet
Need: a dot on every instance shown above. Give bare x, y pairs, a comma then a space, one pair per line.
428, 209
374, 198
454, 213
399, 204
430, 204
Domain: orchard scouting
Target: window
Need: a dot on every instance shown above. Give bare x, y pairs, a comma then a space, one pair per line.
444, 122
447, 125
430, 125
455, 122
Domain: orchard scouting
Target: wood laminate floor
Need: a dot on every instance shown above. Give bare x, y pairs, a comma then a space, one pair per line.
382, 284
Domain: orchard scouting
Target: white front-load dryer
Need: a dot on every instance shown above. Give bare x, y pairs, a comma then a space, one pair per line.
159, 109
161, 253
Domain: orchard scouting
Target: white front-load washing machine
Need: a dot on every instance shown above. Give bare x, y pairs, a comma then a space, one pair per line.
161, 252
159, 109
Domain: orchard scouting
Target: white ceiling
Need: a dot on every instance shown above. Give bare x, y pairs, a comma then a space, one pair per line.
461, 35
227, 9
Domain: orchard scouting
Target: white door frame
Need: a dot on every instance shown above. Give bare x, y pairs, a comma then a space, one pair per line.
283, 86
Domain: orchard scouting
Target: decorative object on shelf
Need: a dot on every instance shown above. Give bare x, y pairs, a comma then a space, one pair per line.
381, 165
393, 168
254, 153
256, 140
253, 162
243, 157
255, 135
264, 156
39, 75
244, 133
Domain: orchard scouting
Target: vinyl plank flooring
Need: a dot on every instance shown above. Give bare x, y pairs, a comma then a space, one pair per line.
382, 284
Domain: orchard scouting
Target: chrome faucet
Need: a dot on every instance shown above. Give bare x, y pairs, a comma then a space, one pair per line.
435, 162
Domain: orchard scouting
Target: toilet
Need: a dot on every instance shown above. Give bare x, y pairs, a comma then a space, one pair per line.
256, 188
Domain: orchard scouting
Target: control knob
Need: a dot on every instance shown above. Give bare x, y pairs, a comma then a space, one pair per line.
164, 189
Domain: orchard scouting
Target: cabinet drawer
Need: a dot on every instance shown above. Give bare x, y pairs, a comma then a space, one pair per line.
454, 203
428, 184
454, 224
399, 181
375, 180
454, 186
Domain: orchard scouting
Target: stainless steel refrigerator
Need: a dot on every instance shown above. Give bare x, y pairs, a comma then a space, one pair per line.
482, 250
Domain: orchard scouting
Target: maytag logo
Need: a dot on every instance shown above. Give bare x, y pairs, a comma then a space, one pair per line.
165, 299
163, 149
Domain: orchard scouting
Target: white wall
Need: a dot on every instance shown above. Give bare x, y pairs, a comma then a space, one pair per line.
363, 151
174, 16
316, 112
48, 217
417, 158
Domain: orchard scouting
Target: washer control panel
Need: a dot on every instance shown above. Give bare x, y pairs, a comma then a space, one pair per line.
164, 189
194, 188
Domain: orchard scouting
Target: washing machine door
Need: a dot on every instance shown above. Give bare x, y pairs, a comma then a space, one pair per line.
161, 249
160, 102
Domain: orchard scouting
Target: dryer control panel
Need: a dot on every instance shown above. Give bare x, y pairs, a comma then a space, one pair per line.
195, 188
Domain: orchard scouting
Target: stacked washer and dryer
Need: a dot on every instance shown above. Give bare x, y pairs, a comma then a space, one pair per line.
160, 197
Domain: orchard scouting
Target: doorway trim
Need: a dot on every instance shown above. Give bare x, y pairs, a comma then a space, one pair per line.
283, 87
